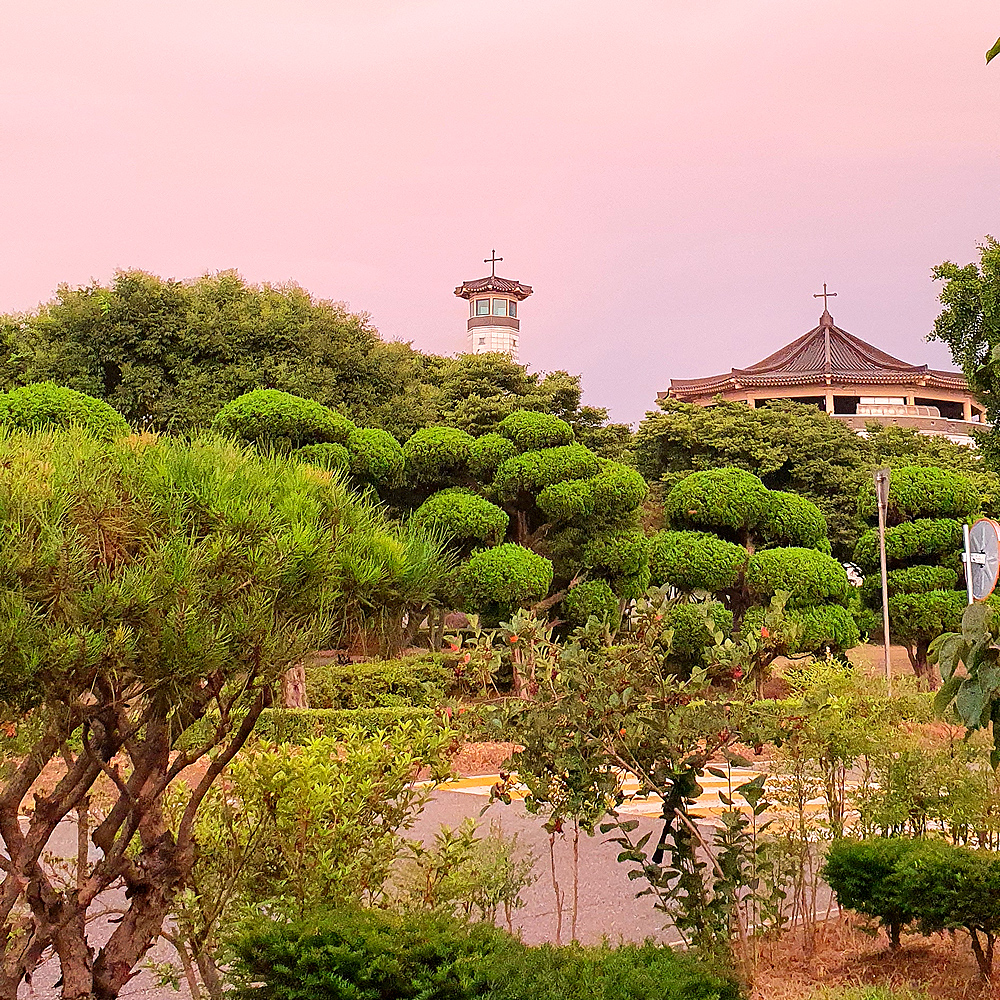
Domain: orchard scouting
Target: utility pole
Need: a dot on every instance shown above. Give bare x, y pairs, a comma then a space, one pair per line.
881, 477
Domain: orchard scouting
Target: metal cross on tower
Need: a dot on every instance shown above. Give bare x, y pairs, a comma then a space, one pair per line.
824, 295
494, 260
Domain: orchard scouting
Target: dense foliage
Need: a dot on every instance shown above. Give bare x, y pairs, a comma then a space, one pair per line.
497, 581
45, 405
926, 509
271, 417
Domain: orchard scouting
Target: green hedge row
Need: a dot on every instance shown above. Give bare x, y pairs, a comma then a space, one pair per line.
378, 955
421, 682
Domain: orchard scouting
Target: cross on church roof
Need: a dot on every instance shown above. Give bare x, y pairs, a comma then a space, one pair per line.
824, 295
494, 260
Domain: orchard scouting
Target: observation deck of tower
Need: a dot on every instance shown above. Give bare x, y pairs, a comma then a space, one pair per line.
493, 311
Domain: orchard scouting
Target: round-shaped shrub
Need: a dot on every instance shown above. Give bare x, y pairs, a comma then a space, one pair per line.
376, 456
788, 519
45, 404
326, 456
591, 599
717, 498
534, 470
530, 431
572, 500
617, 553
920, 539
632, 585
461, 516
921, 617
921, 491
808, 576
269, 416
827, 626
437, 454
616, 490
497, 581
691, 629
909, 580
486, 454
695, 560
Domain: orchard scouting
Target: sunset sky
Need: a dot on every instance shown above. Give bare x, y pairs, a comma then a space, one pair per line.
675, 179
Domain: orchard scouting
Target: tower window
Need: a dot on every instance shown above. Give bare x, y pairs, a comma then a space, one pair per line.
482, 307
499, 307
514, 341
512, 308
482, 340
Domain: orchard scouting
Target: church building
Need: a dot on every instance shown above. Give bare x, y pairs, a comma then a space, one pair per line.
850, 379
493, 302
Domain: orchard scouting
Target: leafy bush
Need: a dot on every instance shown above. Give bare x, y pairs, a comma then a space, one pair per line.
827, 626
592, 598
914, 616
377, 955
534, 470
495, 582
269, 416
810, 577
571, 501
908, 580
728, 499
487, 453
617, 553
44, 404
530, 430
788, 519
695, 560
916, 491
862, 875
919, 539
691, 627
326, 456
437, 454
606, 498
460, 517
421, 681
376, 456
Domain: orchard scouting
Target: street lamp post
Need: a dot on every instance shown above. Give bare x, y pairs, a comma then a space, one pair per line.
881, 477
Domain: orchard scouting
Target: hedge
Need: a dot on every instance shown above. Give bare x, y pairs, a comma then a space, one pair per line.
810, 577
530, 431
409, 682
269, 416
919, 491
374, 954
534, 470
695, 560
495, 582
920, 539
461, 516
376, 456
327, 456
717, 498
45, 404
591, 599
486, 454
437, 454
788, 519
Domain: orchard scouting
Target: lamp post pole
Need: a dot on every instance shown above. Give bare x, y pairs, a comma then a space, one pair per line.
881, 477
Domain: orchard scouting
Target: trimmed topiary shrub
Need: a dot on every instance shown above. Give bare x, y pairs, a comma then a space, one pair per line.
534, 470
437, 455
809, 577
695, 560
421, 682
788, 519
269, 416
486, 455
618, 553
827, 626
922, 539
376, 456
591, 599
496, 582
530, 431
914, 490
690, 624
45, 404
616, 491
462, 517
727, 499
326, 456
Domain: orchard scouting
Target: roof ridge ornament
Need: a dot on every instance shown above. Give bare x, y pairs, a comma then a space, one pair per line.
826, 319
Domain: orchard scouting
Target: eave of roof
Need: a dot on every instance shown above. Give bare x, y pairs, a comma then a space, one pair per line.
493, 283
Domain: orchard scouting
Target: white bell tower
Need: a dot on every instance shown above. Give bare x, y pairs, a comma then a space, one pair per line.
493, 311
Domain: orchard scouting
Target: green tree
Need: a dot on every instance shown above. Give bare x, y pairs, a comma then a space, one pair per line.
146, 585
791, 447
923, 554
969, 324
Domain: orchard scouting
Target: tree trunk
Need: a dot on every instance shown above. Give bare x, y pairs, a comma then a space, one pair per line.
293, 687
925, 671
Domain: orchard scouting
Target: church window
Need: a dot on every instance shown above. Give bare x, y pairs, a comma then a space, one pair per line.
499, 307
482, 307
512, 308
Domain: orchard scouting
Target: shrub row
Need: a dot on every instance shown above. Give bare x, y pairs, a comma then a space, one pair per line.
422, 682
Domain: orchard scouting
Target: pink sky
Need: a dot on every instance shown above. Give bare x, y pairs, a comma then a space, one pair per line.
674, 178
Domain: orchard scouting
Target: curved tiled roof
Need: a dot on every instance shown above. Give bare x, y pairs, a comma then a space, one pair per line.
825, 354
493, 283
